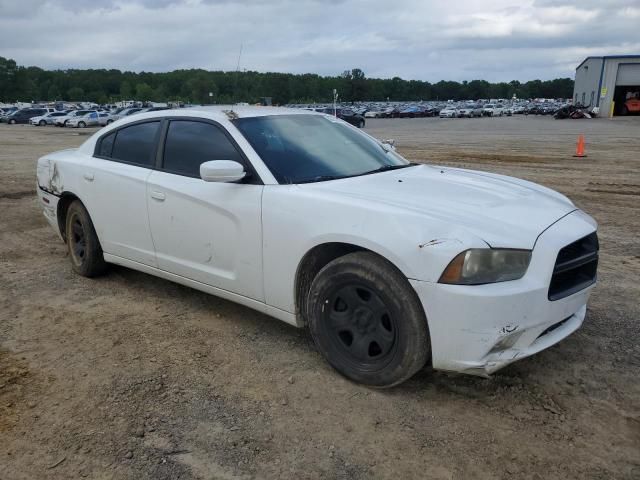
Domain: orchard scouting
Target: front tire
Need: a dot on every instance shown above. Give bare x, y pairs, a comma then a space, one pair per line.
367, 321
82, 124
12, 121
82, 242
42, 123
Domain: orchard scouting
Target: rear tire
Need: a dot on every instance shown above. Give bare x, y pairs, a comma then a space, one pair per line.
361, 124
367, 321
624, 110
82, 124
84, 247
12, 121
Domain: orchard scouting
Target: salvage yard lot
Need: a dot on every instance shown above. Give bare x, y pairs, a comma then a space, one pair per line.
131, 376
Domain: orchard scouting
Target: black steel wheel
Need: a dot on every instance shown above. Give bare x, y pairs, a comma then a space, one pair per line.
367, 321
359, 325
82, 242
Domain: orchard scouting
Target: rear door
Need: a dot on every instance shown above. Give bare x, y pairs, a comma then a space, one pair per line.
208, 232
114, 182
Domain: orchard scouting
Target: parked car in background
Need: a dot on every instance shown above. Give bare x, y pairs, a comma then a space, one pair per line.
7, 111
89, 119
346, 114
448, 112
62, 121
24, 115
125, 113
411, 111
104, 118
493, 110
631, 106
47, 118
391, 265
470, 111
374, 114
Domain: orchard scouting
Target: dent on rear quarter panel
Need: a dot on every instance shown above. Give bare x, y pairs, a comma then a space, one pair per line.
48, 176
55, 182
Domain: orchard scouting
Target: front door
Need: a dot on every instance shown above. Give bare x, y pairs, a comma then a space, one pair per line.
208, 232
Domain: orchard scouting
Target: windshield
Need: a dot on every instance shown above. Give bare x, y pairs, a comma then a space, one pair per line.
313, 148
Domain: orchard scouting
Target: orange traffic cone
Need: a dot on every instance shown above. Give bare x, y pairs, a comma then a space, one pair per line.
580, 147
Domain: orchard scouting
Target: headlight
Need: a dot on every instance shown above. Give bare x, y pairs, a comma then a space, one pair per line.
486, 265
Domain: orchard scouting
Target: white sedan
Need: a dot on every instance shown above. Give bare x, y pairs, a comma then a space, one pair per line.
391, 265
448, 112
46, 119
91, 119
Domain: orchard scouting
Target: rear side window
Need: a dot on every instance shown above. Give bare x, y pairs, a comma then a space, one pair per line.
106, 145
136, 144
190, 143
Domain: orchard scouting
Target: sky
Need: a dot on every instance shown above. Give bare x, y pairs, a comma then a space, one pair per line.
495, 40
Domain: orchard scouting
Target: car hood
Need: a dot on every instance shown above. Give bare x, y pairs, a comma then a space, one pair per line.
503, 211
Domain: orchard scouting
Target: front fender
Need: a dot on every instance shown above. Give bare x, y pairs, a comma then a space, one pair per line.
295, 221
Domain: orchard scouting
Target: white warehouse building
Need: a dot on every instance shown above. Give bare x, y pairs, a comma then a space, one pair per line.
607, 82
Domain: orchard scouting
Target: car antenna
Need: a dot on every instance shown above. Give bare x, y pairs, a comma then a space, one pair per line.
235, 85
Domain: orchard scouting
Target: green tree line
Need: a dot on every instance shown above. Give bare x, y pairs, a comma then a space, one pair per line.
26, 84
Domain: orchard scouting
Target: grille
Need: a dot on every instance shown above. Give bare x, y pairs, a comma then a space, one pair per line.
575, 267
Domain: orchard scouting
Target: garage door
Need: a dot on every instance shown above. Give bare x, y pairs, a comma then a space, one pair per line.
628, 75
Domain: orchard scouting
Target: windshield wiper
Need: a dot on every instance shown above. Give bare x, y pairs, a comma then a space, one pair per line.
323, 178
385, 168
318, 178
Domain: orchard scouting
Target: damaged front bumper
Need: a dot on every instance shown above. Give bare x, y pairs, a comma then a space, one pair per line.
479, 329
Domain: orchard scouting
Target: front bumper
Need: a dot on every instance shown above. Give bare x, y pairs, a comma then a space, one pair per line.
481, 328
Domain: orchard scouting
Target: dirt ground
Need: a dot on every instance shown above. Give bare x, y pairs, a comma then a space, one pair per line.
129, 376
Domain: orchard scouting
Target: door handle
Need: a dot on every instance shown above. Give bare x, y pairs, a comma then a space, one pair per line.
88, 177
158, 195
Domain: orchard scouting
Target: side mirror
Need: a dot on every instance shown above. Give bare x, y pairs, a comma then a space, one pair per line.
221, 171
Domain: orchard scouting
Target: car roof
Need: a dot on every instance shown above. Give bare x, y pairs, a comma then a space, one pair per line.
217, 112
236, 111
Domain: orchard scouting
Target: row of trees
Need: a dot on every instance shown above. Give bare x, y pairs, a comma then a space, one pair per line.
18, 83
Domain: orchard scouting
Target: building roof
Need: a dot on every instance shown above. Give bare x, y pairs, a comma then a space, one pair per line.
606, 57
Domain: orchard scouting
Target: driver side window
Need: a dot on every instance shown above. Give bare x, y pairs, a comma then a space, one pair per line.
190, 143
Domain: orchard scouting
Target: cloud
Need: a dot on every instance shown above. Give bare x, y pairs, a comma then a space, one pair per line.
428, 40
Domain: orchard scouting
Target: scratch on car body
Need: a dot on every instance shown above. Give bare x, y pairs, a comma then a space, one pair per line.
437, 241
208, 247
508, 329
